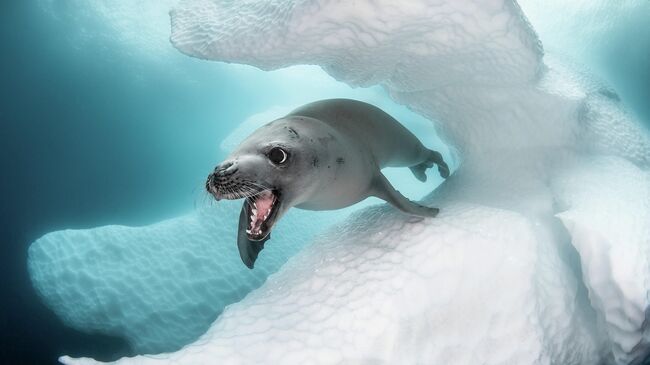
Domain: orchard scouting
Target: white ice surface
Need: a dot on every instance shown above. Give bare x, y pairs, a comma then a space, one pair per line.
476, 285
612, 235
539, 255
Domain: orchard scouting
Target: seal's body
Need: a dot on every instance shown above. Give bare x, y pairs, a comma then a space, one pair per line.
324, 155
360, 140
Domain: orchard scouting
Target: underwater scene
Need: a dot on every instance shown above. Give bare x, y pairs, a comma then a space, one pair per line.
325, 182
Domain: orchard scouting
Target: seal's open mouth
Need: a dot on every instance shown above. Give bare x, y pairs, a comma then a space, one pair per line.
261, 210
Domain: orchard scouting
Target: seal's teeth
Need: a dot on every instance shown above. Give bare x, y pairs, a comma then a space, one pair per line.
254, 211
253, 217
248, 231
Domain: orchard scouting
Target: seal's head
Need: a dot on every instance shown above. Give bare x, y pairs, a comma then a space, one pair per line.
274, 169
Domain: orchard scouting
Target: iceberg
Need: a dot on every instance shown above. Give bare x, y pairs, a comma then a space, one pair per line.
540, 253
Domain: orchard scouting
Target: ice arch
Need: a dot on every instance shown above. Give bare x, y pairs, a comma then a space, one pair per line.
541, 253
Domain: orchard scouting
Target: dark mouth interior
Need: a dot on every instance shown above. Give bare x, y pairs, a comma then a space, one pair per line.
261, 210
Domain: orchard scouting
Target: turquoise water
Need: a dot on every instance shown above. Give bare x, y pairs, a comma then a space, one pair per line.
103, 122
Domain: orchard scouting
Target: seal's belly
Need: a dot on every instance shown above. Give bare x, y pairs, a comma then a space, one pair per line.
332, 204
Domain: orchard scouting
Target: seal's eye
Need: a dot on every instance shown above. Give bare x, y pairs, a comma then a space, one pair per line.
277, 155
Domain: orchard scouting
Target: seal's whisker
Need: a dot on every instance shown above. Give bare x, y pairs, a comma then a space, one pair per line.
252, 192
247, 191
262, 186
234, 194
249, 203
240, 193
226, 191
199, 202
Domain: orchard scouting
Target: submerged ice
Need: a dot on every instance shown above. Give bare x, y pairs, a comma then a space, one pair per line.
539, 256
158, 286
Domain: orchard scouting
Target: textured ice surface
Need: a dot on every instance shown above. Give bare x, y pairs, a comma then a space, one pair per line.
459, 49
539, 255
612, 236
158, 286
464, 288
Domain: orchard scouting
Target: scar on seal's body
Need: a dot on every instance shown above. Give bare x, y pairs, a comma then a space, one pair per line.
293, 132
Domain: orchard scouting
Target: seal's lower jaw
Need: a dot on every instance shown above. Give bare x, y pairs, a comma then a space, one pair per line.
261, 210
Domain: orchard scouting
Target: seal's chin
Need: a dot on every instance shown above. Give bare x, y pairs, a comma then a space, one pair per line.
261, 210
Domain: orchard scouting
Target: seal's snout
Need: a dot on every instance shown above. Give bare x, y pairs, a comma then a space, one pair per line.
219, 182
211, 186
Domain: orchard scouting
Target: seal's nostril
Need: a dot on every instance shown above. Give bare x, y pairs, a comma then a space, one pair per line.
226, 168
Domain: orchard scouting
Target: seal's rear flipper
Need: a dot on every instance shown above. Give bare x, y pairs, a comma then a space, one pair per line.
248, 250
382, 189
434, 157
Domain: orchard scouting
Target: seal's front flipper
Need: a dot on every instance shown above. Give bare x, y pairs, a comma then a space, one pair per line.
433, 157
382, 189
248, 250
